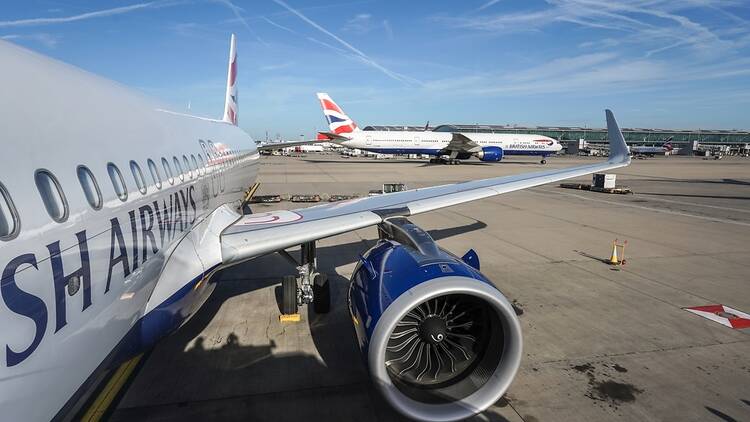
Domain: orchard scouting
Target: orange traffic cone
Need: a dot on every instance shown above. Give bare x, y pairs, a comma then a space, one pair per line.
613, 259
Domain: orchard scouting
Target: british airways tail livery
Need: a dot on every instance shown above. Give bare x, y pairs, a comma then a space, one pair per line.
447, 147
115, 213
338, 121
230, 101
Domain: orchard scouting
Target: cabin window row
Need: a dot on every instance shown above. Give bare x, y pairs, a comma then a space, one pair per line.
55, 203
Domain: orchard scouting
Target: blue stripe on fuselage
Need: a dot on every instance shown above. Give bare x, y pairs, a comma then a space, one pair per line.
437, 152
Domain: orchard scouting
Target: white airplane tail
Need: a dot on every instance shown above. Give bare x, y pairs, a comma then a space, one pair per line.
230, 101
338, 121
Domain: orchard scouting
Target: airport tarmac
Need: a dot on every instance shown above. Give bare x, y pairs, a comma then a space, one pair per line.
600, 343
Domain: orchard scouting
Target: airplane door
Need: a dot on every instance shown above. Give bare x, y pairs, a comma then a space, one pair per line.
368, 140
417, 140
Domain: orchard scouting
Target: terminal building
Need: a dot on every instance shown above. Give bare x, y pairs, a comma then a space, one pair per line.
575, 138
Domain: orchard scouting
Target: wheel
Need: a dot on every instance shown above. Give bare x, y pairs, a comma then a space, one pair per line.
321, 294
544, 161
289, 295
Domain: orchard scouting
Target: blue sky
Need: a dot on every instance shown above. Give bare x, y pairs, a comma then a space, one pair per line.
656, 63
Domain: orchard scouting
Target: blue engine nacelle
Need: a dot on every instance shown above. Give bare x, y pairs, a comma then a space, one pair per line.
440, 341
493, 154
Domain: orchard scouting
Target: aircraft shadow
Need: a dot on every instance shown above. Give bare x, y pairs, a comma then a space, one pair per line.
203, 373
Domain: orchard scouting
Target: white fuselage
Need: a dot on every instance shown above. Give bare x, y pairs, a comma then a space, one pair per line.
435, 143
102, 282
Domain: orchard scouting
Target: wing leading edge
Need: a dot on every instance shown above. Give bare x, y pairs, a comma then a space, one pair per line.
259, 234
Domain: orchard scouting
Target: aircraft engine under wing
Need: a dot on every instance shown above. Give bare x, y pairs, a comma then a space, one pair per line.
258, 234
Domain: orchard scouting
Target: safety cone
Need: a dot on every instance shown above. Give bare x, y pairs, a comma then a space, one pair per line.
613, 259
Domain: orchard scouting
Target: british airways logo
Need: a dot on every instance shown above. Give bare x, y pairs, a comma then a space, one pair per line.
172, 215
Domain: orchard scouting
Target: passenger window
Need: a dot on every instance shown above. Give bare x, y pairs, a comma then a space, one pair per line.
203, 164
118, 183
140, 181
155, 176
9, 223
188, 169
167, 170
195, 164
178, 168
90, 187
52, 195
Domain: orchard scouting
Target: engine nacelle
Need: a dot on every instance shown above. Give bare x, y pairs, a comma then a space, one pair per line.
440, 341
493, 154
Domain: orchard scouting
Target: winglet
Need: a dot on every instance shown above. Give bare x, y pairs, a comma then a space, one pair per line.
230, 101
618, 149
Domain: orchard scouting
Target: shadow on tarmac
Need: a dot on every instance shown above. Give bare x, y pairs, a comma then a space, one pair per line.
216, 377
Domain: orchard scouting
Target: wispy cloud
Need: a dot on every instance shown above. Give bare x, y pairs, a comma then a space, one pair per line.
47, 40
388, 30
361, 23
237, 11
84, 16
274, 67
358, 54
660, 24
488, 4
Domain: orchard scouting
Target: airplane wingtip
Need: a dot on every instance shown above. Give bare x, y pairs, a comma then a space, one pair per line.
618, 149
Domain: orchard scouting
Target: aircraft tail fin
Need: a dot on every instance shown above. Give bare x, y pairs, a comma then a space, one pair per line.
338, 121
230, 101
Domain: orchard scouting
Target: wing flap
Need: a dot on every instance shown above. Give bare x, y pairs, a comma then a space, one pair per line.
462, 143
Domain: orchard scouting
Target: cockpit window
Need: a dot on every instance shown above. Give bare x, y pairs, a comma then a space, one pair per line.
9, 223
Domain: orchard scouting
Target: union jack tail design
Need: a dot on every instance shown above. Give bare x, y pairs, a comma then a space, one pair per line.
338, 122
230, 102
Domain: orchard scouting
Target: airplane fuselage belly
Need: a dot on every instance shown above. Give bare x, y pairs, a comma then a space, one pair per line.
74, 290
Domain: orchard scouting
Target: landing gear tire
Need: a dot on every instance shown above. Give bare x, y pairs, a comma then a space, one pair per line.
321, 294
543, 161
289, 295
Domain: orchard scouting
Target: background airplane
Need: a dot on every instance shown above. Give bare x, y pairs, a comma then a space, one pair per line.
651, 151
445, 146
115, 213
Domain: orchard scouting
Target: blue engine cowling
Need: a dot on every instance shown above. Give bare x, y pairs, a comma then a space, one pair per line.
493, 154
440, 341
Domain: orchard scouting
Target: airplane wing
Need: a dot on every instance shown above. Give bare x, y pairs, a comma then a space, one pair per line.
463, 143
258, 234
280, 145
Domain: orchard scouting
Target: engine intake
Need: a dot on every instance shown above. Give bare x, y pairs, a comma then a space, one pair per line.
493, 154
440, 341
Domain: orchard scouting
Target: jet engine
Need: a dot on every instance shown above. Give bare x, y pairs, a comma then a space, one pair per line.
493, 154
440, 341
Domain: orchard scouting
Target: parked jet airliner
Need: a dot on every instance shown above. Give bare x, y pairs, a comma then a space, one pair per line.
445, 146
651, 151
115, 213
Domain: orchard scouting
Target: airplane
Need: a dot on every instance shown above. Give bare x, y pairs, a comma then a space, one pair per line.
116, 212
448, 148
651, 151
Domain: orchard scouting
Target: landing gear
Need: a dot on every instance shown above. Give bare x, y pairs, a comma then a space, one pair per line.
444, 160
544, 161
309, 286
